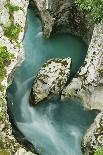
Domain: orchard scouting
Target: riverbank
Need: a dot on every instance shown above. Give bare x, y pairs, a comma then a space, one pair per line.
12, 30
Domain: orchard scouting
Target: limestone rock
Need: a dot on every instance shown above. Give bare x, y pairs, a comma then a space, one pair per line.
63, 16
93, 138
88, 82
51, 79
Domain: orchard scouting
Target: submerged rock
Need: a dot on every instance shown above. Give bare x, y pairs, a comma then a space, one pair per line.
51, 79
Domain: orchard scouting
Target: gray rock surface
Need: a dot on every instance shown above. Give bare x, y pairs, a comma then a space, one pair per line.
93, 138
88, 83
51, 79
8, 143
88, 86
64, 16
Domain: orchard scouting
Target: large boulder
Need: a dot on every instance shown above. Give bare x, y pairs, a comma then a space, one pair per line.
51, 79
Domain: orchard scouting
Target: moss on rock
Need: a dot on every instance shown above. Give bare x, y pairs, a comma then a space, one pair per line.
5, 152
12, 31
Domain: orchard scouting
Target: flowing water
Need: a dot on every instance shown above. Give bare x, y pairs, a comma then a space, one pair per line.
53, 127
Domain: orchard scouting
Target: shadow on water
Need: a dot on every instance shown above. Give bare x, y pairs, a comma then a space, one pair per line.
53, 127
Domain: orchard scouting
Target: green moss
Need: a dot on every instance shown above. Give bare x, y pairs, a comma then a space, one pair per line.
94, 7
12, 31
5, 59
2, 116
99, 152
12, 8
4, 152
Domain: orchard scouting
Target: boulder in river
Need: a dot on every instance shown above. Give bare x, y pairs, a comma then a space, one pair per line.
51, 79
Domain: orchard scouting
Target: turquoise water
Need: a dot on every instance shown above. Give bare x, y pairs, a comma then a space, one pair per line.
53, 127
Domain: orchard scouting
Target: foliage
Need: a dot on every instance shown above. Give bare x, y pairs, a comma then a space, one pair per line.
12, 8
12, 31
4, 152
99, 152
95, 7
5, 58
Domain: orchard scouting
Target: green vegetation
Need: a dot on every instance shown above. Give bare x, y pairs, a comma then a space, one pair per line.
5, 59
4, 152
12, 31
99, 152
12, 8
95, 7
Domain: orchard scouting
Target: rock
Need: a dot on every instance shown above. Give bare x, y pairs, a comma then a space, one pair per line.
51, 79
88, 82
93, 138
63, 16
46, 18
22, 151
8, 143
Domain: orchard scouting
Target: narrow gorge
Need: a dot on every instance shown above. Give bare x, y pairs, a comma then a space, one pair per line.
57, 61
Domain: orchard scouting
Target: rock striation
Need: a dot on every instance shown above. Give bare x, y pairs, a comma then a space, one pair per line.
51, 79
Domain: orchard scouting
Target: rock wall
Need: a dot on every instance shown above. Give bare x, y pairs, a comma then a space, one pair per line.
64, 16
93, 138
11, 11
88, 87
88, 83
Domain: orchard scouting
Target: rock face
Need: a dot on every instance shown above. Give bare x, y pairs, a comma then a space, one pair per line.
16, 16
64, 16
93, 138
46, 18
88, 83
88, 86
51, 79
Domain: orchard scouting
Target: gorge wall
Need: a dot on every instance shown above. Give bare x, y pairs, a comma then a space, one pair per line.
11, 13
64, 16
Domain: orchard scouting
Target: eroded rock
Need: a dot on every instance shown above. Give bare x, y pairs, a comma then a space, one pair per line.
51, 79
88, 82
93, 138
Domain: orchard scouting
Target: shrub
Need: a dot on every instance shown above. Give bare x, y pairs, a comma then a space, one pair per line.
5, 58
12, 8
95, 7
12, 31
